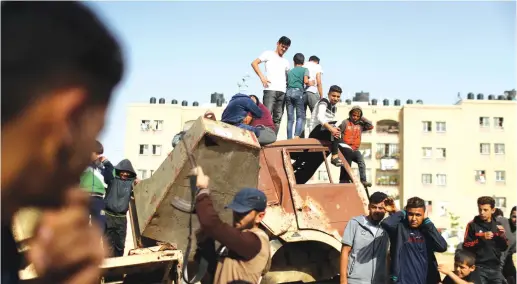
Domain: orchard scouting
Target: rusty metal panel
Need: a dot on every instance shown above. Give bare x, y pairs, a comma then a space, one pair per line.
228, 155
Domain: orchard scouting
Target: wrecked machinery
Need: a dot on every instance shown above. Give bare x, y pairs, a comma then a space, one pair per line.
304, 218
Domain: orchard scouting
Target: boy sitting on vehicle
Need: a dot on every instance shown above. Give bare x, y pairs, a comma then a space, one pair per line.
352, 130
464, 269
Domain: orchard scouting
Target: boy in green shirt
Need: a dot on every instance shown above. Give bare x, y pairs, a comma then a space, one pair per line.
94, 180
297, 78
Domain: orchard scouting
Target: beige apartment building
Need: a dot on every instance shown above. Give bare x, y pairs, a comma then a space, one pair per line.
446, 154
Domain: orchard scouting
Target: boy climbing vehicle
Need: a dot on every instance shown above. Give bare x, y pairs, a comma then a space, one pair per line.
295, 97
352, 130
323, 121
464, 269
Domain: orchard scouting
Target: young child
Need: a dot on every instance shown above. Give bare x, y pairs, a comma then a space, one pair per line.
464, 269
294, 99
352, 130
323, 119
117, 199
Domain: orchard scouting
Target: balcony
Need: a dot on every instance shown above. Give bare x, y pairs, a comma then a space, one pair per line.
387, 151
387, 126
387, 177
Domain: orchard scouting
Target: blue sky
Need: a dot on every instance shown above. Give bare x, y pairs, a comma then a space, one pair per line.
418, 50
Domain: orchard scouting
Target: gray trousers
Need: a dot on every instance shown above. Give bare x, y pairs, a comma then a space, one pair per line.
275, 103
267, 135
311, 99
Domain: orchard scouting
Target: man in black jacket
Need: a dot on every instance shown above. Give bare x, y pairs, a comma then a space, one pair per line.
486, 238
414, 240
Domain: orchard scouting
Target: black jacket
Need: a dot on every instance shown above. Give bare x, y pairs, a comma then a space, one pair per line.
412, 250
119, 190
488, 252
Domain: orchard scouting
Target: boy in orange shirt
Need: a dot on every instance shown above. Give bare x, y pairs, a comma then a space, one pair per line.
352, 129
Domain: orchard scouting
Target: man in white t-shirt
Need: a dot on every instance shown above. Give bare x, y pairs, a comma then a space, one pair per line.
314, 93
275, 81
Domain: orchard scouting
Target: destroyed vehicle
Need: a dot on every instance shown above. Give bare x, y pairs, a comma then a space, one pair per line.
305, 218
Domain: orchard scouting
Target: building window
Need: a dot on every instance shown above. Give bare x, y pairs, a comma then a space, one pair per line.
484, 122
441, 153
500, 202
323, 175
441, 179
499, 148
144, 149
500, 176
390, 151
145, 125
498, 122
157, 150
427, 152
440, 126
484, 148
480, 176
158, 125
427, 178
426, 126
152, 172
142, 174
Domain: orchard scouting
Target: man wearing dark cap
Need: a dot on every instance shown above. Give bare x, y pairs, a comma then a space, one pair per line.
245, 252
365, 246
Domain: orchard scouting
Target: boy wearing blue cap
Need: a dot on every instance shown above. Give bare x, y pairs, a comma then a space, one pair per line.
245, 252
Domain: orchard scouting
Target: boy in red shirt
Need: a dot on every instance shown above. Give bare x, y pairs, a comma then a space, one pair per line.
352, 129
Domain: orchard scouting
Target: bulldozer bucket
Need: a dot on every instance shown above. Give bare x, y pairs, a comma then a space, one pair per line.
228, 155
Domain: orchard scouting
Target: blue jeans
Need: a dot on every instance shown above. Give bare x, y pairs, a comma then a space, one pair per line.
295, 99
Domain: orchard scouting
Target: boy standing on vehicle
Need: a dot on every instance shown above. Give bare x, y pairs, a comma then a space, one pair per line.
413, 241
323, 121
352, 130
117, 199
487, 240
464, 269
365, 240
276, 81
297, 78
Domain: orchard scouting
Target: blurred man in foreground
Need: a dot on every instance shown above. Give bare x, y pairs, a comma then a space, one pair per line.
59, 67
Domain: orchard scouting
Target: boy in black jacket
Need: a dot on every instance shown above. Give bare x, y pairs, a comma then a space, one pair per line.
414, 240
118, 195
486, 239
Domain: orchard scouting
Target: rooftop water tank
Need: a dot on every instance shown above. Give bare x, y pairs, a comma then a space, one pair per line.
501, 98
491, 97
348, 102
219, 102
386, 102
470, 96
480, 96
419, 102
174, 102
195, 104
397, 102
184, 103
362, 97
409, 102
161, 101
152, 100
374, 102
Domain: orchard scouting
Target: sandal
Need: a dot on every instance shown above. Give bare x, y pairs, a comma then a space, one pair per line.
337, 162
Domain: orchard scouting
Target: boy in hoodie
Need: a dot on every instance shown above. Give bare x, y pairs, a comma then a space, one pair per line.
237, 110
364, 239
413, 241
487, 240
352, 130
323, 119
118, 194
94, 180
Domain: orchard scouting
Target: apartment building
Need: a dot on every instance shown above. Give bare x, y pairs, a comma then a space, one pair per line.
447, 154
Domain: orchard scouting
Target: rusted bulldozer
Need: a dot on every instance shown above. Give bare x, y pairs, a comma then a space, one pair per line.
305, 217
306, 214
